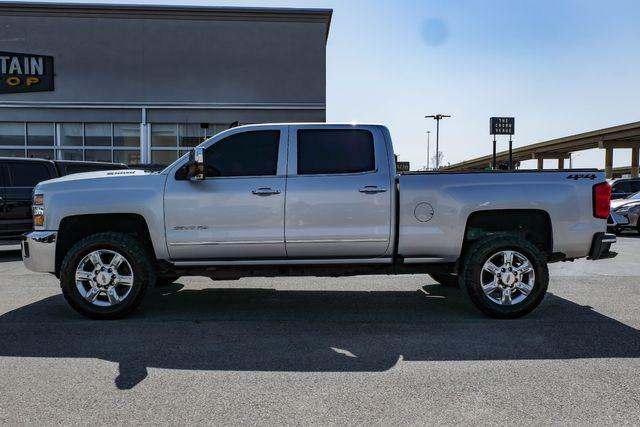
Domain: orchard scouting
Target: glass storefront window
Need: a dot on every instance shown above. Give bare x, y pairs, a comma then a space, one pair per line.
11, 153
39, 134
11, 133
126, 135
97, 155
69, 154
97, 134
128, 157
163, 157
40, 154
163, 135
71, 134
215, 129
191, 134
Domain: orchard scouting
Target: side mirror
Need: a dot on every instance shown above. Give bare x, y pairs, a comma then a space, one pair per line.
196, 165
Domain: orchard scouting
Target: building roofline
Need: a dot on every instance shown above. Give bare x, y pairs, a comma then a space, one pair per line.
159, 11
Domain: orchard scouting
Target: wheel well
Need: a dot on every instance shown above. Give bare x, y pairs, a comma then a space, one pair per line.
75, 228
531, 224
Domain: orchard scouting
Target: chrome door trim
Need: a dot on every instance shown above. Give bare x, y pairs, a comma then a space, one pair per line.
386, 260
423, 260
236, 242
339, 241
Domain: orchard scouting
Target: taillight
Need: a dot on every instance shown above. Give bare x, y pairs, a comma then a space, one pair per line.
601, 200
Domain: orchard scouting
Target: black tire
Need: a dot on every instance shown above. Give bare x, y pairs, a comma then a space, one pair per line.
162, 281
446, 279
483, 250
136, 255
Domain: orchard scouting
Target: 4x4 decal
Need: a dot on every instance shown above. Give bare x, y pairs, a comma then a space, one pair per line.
577, 176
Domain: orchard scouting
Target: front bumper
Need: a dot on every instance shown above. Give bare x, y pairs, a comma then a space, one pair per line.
39, 251
601, 245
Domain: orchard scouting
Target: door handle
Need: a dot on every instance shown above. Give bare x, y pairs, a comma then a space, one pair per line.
264, 191
371, 189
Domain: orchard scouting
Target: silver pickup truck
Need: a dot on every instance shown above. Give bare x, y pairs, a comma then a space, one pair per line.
312, 199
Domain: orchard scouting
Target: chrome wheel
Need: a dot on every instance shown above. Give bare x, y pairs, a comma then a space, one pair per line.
104, 278
507, 278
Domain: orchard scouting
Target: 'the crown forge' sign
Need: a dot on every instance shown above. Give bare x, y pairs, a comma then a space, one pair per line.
24, 72
502, 125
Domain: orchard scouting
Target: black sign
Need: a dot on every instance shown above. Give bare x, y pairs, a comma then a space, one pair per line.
503, 125
24, 72
403, 166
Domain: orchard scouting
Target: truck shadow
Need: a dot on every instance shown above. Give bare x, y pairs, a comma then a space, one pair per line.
10, 255
301, 331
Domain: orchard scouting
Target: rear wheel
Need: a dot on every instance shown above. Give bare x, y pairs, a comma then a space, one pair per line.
106, 275
505, 276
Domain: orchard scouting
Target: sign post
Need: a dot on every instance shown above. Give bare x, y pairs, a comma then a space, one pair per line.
502, 126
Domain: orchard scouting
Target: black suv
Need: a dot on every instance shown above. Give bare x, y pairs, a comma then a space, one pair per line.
621, 188
18, 177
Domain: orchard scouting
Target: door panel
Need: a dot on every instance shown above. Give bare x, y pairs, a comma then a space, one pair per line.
228, 217
340, 214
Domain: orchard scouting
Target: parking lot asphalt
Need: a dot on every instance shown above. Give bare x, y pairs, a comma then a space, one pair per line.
362, 350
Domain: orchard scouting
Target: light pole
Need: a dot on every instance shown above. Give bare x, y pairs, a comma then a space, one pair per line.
428, 134
437, 118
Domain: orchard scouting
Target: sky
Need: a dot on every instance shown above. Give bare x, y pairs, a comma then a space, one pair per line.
559, 67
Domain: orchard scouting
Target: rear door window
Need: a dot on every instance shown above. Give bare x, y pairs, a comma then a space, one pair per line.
28, 174
335, 151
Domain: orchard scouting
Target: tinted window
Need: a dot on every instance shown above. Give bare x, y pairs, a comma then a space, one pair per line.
70, 169
326, 151
244, 154
622, 187
635, 186
28, 174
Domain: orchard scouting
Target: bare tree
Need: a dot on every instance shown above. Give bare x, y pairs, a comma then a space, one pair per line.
437, 159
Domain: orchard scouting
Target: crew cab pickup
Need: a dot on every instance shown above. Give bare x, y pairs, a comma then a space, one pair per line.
312, 199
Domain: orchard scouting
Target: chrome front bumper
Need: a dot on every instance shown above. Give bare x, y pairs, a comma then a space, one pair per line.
39, 251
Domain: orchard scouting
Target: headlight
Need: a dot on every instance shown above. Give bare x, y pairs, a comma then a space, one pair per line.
37, 210
624, 209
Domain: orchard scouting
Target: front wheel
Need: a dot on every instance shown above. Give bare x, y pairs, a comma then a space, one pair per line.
505, 276
106, 275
